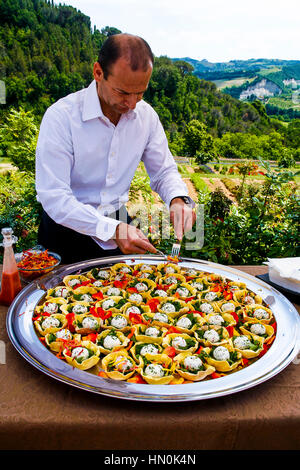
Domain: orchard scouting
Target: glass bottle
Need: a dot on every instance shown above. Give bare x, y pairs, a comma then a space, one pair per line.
11, 283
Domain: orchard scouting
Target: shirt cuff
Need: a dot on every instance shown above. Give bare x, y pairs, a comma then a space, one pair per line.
106, 230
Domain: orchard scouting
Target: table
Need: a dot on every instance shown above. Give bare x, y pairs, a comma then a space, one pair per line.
40, 413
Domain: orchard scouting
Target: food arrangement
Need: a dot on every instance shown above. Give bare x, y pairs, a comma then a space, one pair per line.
154, 323
34, 263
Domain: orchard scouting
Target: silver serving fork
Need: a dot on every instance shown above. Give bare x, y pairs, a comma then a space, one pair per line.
175, 249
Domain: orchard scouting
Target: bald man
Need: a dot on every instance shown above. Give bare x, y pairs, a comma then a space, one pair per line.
90, 144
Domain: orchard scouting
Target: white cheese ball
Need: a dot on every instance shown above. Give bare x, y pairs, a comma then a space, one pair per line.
168, 307
178, 342
216, 320
98, 283
160, 293
221, 354
136, 298
210, 296
145, 267
212, 336
192, 272
108, 304
103, 274
149, 349
125, 270
206, 308
50, 322
80, 353
61, 292
242, 342
118, 322
123, 364
90, 323
197, 285
258, 329
228, 307
141, 287
192, 363
152, 331
260, 314
113, 291
73, 282
86, 298
162, 317
171, 280
64, 334
249, 300
154, 370
184, 322
183, 291
133, 309
169, 270
78, 309
111, 341
51, 308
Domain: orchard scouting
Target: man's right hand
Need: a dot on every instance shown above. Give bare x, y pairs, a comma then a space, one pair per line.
132, 240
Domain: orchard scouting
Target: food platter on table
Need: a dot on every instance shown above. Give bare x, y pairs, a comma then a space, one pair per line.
147, 329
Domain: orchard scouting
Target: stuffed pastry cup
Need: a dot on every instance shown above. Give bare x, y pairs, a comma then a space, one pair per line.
56, 341
102, 274
217, 320
140, 285
168, 268
227, 306
156, 369
191, 366
258, 312
117, 321
113, 303
50, 323
209, 336
224, 358
59, 292
141, 349
112, 291
257, 330
171, 279
182, 291
246, 297
78, 308
83, 356
74, 280
51, 306
118, 365
181, 342
173, 308
85, 324
189, 322
111, 340
84, 294
137, 298
204, 307
129, 308
248, 346
199, 284
160, 319
149, 333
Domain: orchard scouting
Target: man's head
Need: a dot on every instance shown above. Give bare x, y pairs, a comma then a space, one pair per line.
122, 73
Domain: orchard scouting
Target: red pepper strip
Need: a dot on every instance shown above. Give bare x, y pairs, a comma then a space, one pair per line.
263, 352
42, 338
135, 318
228, 295
129, 345
235, 316
91, 337
70, 318
84, 283
170, 351
172, 329
131, 333
43, 314
132, 290
98, 296
274, 326
199, 313
153, 303
245, 362
188, 299
215, 375
199, 350
230, 330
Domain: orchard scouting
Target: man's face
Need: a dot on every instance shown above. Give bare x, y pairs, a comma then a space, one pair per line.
122, 89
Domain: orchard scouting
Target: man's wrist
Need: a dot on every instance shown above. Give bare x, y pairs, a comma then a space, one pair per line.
186, 199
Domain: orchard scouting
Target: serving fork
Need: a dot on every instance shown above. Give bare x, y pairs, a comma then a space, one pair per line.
174, 252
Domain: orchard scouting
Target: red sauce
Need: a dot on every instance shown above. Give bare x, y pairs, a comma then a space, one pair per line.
10, 287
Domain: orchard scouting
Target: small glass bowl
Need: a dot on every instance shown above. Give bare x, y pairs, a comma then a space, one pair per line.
28, 275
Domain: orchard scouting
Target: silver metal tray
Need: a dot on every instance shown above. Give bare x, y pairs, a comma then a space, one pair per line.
283, 350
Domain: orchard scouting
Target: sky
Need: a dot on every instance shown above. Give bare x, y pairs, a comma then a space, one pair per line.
215, 30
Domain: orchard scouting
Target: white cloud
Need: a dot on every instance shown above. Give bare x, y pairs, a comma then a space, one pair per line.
217, 30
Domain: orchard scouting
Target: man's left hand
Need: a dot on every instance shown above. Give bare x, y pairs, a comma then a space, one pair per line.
182, 217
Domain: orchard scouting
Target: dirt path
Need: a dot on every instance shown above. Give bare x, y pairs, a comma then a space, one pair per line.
216, 183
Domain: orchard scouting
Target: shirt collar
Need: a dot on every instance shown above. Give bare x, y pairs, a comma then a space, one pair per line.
92, 107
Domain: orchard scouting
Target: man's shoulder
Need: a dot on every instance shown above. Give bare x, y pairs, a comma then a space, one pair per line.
145, 112
67, 104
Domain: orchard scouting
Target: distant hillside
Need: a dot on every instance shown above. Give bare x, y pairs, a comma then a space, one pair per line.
273, 81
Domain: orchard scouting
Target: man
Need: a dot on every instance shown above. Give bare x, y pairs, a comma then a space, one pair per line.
90, 144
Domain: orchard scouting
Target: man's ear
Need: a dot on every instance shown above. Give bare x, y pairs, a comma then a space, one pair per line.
98, 72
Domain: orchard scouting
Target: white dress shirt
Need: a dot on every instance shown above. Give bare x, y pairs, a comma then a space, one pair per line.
85, 164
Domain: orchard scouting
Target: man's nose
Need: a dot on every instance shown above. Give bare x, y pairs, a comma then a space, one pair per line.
131, 101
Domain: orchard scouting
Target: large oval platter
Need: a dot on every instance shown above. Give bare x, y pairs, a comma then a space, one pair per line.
285, 347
